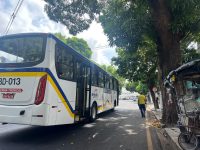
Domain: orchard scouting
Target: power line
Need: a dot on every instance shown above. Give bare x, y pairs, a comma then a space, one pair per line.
12, 17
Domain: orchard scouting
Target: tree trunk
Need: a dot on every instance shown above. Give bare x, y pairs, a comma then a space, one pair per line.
153, 97
169, 53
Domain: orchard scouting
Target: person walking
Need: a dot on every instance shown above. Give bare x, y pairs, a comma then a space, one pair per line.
141, 103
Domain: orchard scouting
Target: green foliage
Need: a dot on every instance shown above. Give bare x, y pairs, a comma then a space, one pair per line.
139, 66
141, 88
137, 86
61, 37
131, 86
78, 44
189, 55
185, 16
76, 15
125, 23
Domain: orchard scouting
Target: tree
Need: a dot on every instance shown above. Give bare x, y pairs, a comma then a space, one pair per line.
76, 15
78, 44
190, 54
166, 22
131, 86
139, 66
141, 88
61, 37
137, 86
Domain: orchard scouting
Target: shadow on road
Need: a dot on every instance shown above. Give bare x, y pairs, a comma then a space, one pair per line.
120, 129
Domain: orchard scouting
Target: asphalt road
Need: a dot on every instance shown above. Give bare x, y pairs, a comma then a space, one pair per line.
123, 129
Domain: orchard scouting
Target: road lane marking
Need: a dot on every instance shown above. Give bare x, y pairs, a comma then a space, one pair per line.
149, 139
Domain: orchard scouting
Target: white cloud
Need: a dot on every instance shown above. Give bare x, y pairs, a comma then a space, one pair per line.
32, 18
98, 43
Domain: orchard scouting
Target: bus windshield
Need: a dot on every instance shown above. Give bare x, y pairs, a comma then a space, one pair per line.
21, 51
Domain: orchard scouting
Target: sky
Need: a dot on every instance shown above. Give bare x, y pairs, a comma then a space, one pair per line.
32, 18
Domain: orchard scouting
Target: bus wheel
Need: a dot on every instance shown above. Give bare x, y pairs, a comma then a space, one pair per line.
93, 115
115, 103
113, 109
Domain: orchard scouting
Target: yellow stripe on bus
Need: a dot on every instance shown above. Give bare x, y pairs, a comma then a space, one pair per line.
22, 74
39, 74
60, 95
100, 108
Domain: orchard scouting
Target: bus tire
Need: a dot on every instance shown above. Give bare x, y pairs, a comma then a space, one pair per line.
115, 103
93, 115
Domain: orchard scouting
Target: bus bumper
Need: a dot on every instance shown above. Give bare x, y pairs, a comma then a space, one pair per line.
30, 115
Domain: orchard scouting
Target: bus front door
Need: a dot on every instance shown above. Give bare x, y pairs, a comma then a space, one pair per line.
83, 92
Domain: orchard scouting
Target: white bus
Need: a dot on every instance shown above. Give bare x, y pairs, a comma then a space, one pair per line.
45, 82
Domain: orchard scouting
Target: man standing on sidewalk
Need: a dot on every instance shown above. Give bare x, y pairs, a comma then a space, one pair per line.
141, 103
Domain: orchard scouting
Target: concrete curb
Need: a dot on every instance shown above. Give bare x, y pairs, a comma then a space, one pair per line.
173, 134
170, 134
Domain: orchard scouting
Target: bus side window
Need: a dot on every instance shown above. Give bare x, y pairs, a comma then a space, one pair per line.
77, 66
107, 82
111, 83
58, 61
104, 80
94, 77
64, 64
101, 79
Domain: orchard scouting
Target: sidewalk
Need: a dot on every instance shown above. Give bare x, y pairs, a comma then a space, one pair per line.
168, 135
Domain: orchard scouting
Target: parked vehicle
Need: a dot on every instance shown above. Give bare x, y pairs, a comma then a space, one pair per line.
133, 98
187, 91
